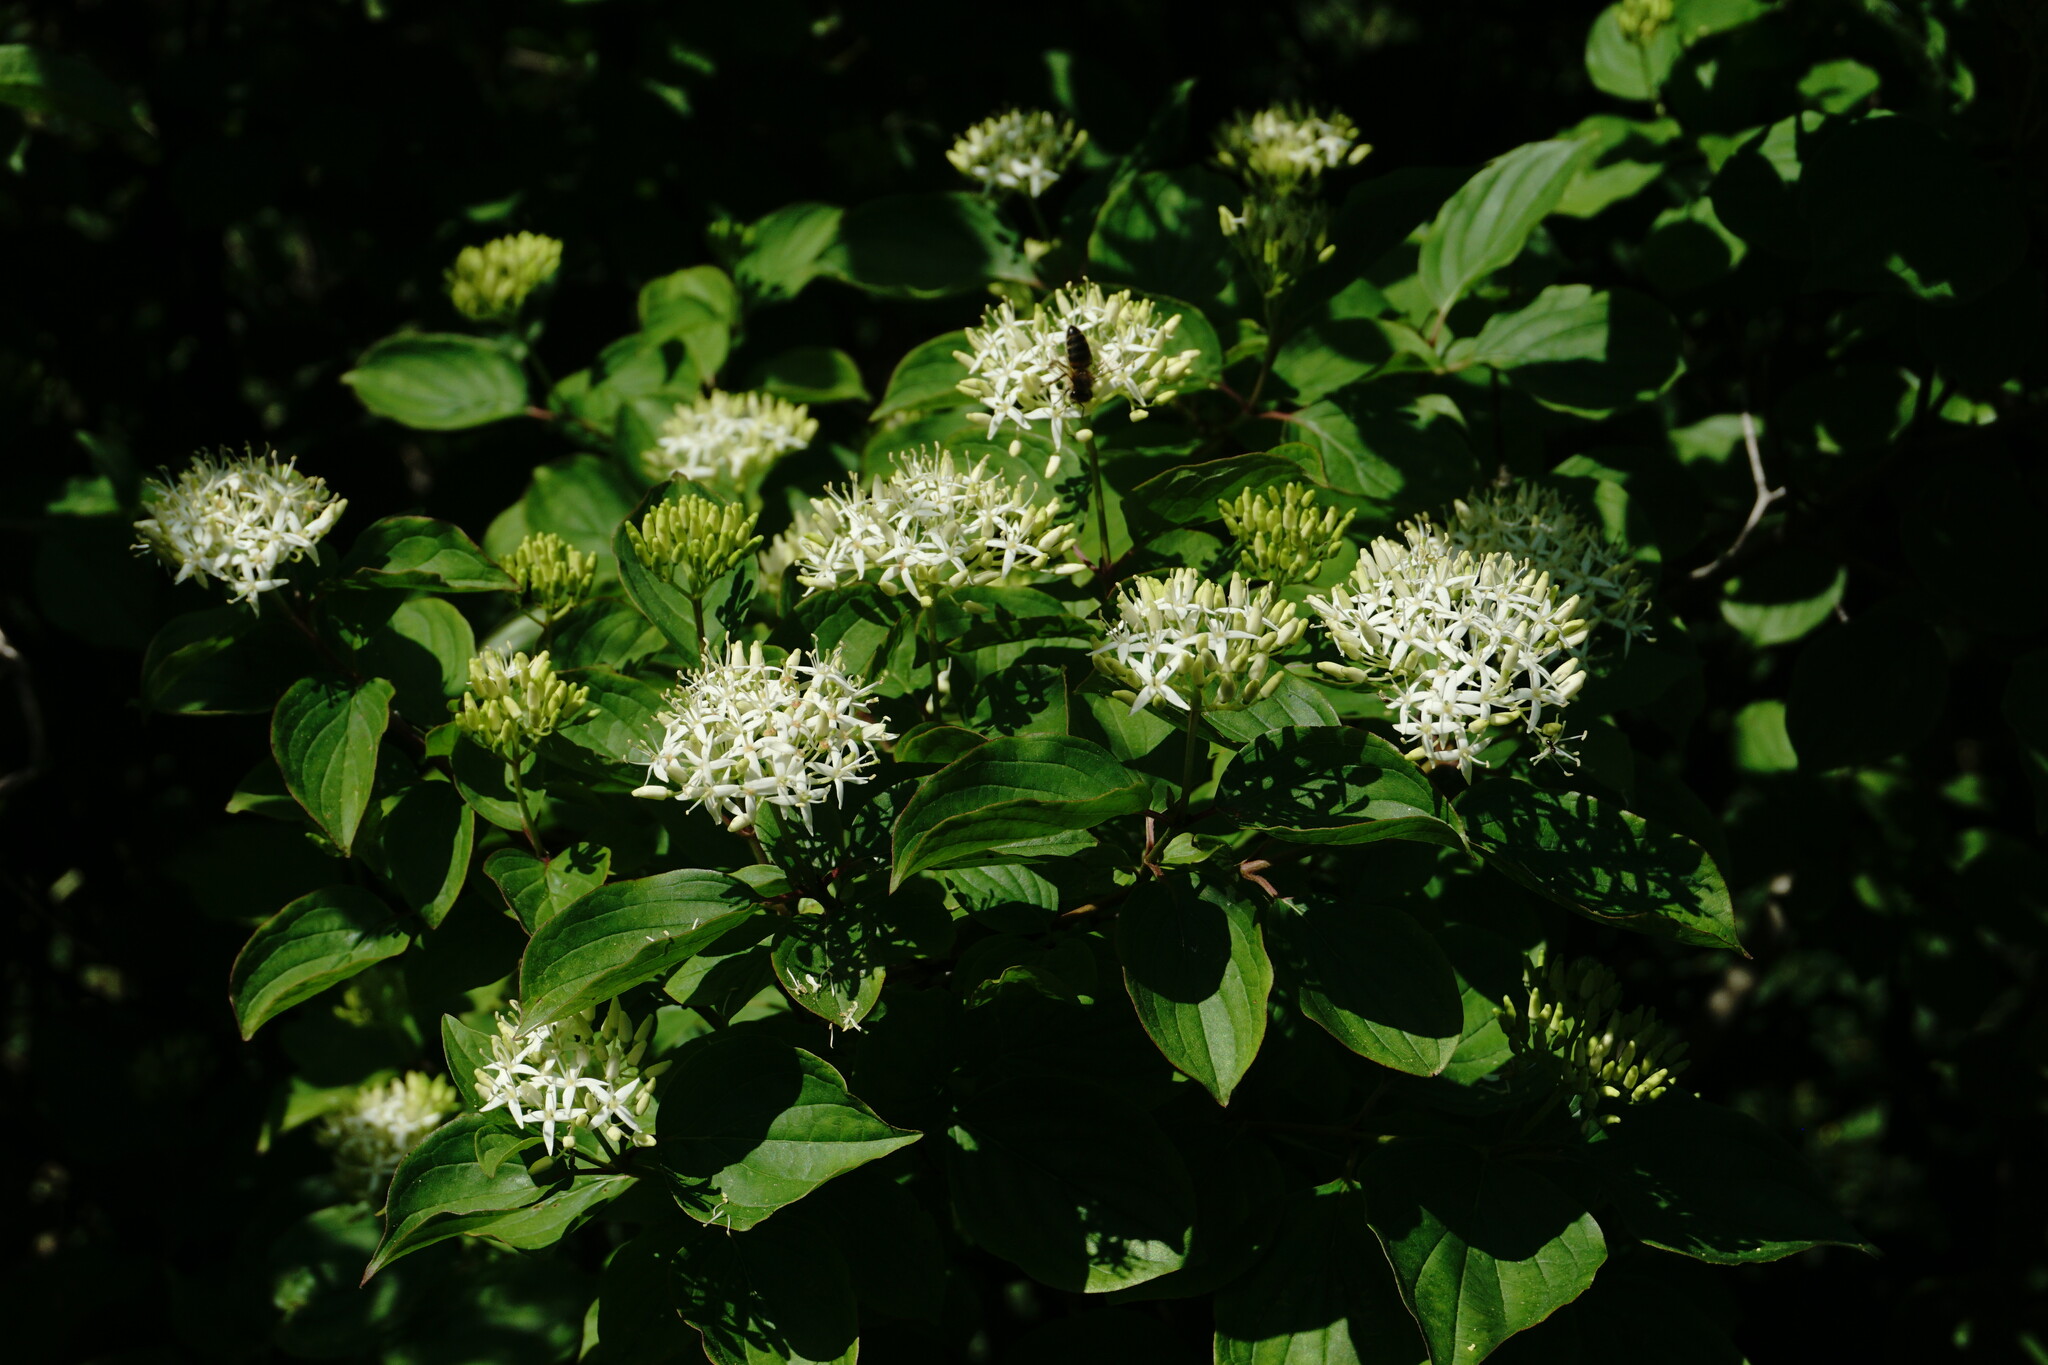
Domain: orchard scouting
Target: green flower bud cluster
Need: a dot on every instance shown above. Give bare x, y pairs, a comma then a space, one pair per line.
1279, 238
1287, 541
1573, 1018
512, 704
1536, 524
694, 541
1640, 20
489, 282
552, 575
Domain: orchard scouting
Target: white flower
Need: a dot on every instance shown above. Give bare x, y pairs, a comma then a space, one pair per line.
742, 731
1536, 524
731, 436
1017, 150
237, 520
1285, 146
1019, 366
1457, 645
380, 1125
573, 1073
930, 525
1175, 636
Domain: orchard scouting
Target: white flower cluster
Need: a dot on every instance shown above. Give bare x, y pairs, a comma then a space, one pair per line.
930, 525
742, 731
1176, 636
237, 520
1020, 371
1535, 523
1021, 149
574, 1073
735, 437
380, 1125
1459, 645
1285, 146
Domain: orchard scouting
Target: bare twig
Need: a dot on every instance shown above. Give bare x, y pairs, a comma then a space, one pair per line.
1765, 496
31, 719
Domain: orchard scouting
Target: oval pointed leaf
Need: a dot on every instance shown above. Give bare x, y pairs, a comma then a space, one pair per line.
1374, 979
1006, 791
926, 379
1482, 1248
1196, 968
754, 1125
420, 552
537, 891
319, 940
440, 1191
438, 382
324, 735
1605, 863
621, 935
421, 847
1331, 785
1485, 224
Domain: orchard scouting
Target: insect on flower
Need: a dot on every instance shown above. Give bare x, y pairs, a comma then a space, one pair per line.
1080, 368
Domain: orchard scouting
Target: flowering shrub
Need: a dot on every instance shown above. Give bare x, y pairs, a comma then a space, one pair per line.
1149, 799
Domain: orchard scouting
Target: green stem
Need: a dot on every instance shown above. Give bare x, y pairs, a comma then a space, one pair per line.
1266, 361
931, 633
1101, 500
697, 615
1187, 763
525, 813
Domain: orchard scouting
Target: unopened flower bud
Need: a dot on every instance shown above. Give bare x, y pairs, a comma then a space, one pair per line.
514, 703
551, 575
693, 541
489, 282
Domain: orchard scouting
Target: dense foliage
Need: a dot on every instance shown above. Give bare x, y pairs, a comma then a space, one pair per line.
1090, 708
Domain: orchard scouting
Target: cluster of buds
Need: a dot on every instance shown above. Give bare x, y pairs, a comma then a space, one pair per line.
489, 282
512, 704
1536, 523
1641, 20
732, 439
1573, 1018
551, 576
1458, 645
237, 519
379, 1125
1020, 149
1028, 369
693, 541
741, 731
1279, 238
931, 525
1191, 642
1287, 541
572, 1075
1287, 148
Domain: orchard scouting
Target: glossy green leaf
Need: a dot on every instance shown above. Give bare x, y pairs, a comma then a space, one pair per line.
1332, 785
439, 1191
324, 736
1584, 352
1196, 968
811, 374
538, 891
1190, 494
926, 379
421, 846
1086, 1217
925, 246
1608, 864
776, 1296
422, 646
319, 940
224, 660
420, 552
622, 934
1373, 978
1157, 232
549, 1219
659, 600
618, 722
697, 306
438, 382
1010, 791
751, 1125
786, 251
1623, 67
581, 499
1482, 1247
1716, 1185
1485, 224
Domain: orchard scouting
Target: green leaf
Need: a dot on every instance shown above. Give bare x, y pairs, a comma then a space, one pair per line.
1322, 1295
51, 83
421, 846
439, 1191
697, 306
1332, 785
925, 246
927, 379
866, 625
1623, 67
1608, 864
220, 661
1584, 352
1157, 232
618, 720
787, 250
622, 934
581, 499
1373, 978
659, 600
1189, 495
811, 374
1006, 791
1783, 596
466, 1050
420, 645
822, 968
1485, 224
1716, 1185
438, 382
1482, 1248
1402, 456
1196, 968
777, 1296
548, 1220
420, 552
753, 1125
319, 940
538, 891
729, 971
324, 735
1086, 1217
